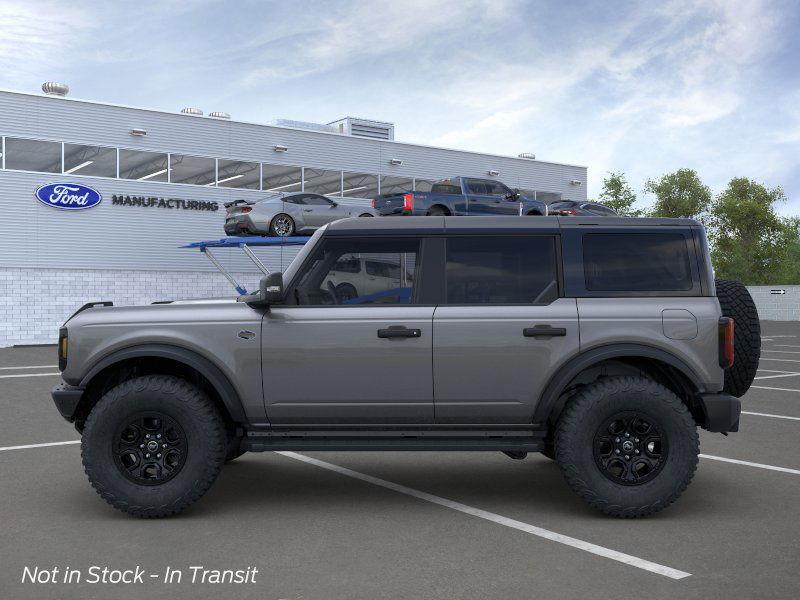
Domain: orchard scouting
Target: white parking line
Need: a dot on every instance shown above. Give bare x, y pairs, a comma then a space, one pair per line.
29, 367
776, 376
39, 445
781, 351
28, 375
785, 346
763, 387
778, 336
751, 464
634, 561
780, 359
744, 412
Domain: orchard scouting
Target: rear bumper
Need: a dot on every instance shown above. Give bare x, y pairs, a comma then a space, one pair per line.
721, 411
67, 399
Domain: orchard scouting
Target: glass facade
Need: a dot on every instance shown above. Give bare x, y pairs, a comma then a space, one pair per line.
23, 154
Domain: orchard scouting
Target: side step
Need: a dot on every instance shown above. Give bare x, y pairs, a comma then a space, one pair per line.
517, 441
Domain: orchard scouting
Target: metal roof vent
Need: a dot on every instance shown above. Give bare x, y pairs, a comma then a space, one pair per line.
219, 115
527, 155
192, 111
51, 88
377, 130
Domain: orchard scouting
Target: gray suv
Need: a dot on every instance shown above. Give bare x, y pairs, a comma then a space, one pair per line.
604, 344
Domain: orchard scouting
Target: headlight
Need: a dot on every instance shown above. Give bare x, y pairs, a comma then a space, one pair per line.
62, 348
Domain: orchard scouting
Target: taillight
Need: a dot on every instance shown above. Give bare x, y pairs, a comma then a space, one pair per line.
62, 348
408, 202
372, 203
567, 211
246, 209
726, 325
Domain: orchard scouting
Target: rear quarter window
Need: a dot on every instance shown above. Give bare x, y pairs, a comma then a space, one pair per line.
636, 262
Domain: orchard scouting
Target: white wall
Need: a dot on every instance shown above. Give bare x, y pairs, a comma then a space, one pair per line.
34, 303
777, 307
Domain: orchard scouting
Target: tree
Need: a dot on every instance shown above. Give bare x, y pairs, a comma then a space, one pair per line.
679, 195
617, 194
750, 241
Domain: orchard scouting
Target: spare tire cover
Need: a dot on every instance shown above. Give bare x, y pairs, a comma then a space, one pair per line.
736, 303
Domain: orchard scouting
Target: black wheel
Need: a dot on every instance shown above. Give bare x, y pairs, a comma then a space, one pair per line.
345, 292
437, 211
153, 445
282, 225
627, 445
736, 303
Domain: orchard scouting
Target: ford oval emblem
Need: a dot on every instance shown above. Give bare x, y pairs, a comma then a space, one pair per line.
68, 196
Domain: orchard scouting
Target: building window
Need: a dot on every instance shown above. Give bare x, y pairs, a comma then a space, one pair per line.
396, 185
33, 155
359, 185
195, 170
144, 166
237, 174
280, 178
97, 161
320, 181
423, 185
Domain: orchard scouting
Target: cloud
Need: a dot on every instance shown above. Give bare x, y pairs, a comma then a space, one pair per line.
38, 37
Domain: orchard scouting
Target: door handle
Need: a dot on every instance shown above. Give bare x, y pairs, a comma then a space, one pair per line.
307, 210
544, 331
399, 331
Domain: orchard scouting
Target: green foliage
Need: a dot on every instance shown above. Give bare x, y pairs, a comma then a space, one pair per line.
750, 241
679, 195
617, 194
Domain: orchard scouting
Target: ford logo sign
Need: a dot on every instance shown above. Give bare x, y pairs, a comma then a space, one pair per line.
68, 196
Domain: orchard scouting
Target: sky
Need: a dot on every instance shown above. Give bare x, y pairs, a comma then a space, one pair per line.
639, 87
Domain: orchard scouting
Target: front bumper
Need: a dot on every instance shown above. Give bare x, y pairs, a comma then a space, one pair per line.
67, 398
721, 411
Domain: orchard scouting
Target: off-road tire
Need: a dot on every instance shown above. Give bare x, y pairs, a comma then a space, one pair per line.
206, 444
736, 303
586, 413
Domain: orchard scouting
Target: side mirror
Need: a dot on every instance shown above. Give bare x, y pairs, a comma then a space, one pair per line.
270, 291
334, 204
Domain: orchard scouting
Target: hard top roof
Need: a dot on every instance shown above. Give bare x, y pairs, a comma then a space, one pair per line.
501, 224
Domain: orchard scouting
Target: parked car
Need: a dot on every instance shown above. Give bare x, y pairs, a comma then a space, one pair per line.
289, 213
603, 347
356, 278
460, 196
573, 208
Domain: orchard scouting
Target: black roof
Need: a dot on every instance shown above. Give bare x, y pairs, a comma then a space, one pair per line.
503, 224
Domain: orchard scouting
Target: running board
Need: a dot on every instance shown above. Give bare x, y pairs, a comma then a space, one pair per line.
418, 441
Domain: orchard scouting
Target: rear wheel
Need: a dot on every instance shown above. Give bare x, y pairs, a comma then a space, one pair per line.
282, 225
736, 303
345, 292
153, 445
627, 445
437, 211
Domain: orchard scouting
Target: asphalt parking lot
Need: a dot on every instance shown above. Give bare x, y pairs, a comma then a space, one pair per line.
411, 525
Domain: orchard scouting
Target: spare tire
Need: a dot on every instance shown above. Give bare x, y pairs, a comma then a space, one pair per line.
736, 303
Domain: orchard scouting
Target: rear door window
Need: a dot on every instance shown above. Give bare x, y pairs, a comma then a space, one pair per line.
636, 262
501, 270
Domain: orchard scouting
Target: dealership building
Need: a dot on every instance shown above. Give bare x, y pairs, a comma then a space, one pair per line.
162, 179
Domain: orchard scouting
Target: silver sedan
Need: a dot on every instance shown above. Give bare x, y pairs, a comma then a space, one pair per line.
287, 214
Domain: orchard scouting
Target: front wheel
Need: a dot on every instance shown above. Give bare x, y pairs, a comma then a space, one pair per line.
627, 445
281, 226
153, 445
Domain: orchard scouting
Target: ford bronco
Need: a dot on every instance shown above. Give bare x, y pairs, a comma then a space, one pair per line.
603, 343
